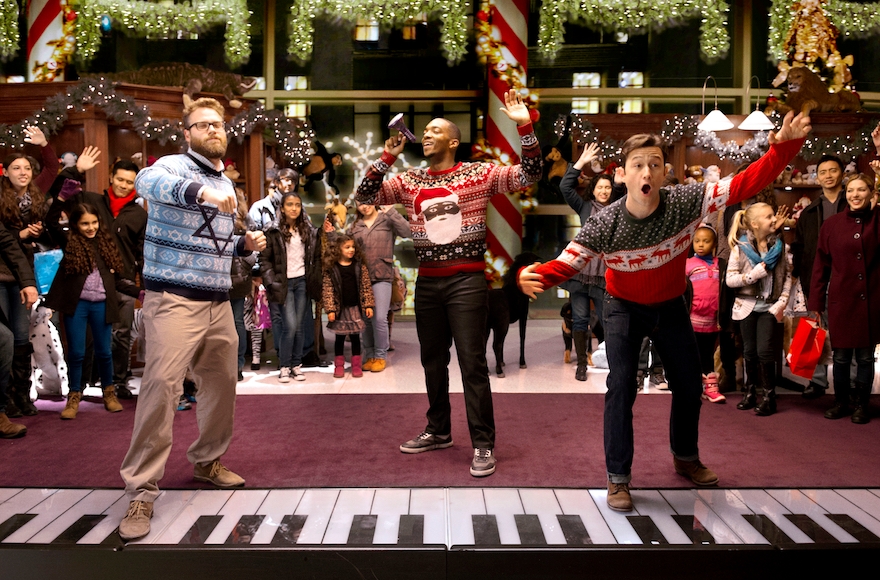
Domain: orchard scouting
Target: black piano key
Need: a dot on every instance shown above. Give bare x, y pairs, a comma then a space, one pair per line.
647, 530
78, 529
288, 531
573, 529
854, 528
12, 525
529, 528
244, 530
200, 530
767, 528
816, 532
485, 530
363, 528
695, 530
411, 531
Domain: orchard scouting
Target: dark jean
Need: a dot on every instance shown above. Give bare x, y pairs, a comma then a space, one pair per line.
122, 339
669, 327
238, 314
92, 315
757, 333
6, 341
580, 310
293, 310
17, 316
454, 308
864, 360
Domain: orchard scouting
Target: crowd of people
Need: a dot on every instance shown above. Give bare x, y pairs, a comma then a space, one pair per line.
666, 269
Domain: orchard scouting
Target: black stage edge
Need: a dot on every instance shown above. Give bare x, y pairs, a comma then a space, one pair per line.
429, 562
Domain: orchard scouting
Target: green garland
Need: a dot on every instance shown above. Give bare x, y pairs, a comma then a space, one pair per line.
850, 18
294, 137
389, 13
8, 30
153, 21
634, 16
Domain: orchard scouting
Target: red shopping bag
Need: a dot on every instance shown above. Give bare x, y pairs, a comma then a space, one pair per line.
806, 348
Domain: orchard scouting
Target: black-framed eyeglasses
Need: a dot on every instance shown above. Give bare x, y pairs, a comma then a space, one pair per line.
203, 125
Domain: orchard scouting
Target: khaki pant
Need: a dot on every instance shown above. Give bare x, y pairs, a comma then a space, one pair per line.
182, 333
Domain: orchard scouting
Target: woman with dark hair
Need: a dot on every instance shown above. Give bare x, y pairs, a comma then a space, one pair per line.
291, 269
589, 284
84, 291
22, 209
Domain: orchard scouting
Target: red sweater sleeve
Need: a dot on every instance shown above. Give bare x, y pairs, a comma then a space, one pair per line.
762, 172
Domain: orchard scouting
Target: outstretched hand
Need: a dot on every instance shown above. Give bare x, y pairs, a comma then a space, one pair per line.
792, 128
35, 136
88, 158
590, 153
530, 282
515, 108
394, 144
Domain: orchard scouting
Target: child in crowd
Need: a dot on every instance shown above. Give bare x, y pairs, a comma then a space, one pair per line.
347, 292
256, 319
846, 268
84, 291
760, 268
703, 270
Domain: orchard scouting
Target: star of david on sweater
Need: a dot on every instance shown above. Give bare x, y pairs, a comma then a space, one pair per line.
209, 213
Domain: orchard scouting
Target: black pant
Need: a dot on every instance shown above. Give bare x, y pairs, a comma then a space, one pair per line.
706, 345
448, 309
757, 333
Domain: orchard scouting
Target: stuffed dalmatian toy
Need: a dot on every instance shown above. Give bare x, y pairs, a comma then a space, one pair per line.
49, 369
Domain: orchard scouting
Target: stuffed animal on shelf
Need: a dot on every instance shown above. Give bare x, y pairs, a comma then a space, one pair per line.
850, 169
193, 78
694, 174
811, 174
807, 92
784, 178
797, 178
712, 174
230, 170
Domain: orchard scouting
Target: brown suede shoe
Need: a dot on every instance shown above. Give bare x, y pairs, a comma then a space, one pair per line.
216, 473
619, 498
10, 430
111, 403
136, 523
696, 472
73, 399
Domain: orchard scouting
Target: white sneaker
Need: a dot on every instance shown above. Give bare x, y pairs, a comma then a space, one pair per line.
284, 377
298, 374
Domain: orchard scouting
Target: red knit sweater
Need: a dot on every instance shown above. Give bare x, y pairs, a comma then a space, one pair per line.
443, 197
646, 257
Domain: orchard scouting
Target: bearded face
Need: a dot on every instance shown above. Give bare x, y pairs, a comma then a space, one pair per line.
443, 222
211, 143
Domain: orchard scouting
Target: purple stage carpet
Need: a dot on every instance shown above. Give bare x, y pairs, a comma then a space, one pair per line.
543, 440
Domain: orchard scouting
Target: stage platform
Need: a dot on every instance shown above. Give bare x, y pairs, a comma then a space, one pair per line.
439, 533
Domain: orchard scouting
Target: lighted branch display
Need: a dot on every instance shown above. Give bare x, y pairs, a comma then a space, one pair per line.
154, 21
852, 19
388, 13
634, 16
8, 30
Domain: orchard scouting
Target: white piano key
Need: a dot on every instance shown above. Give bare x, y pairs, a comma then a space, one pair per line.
108, 525
243, 502
206, 502
317, 505
503, 504
543, 503
464, 503
834, 503
651, 503
8, 492
580, 502
166, 508
95, 503
617, 522
759, 502
351, 502
23, 502
278, 503
864, 498
47, 511
799, 503
388, 506
431, 503
702, 503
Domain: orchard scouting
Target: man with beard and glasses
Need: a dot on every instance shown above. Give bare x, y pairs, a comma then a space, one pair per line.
187, 259
446, 206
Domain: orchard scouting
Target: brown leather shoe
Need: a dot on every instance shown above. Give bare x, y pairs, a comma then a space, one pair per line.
10, 430
73, 399
619, 498
111, 403
698, 473
136, 523
216, 473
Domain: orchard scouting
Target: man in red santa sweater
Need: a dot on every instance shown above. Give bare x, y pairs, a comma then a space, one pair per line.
644, 240
446, 207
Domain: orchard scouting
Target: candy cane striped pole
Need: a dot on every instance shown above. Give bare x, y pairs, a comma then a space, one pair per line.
44, 37
509, 26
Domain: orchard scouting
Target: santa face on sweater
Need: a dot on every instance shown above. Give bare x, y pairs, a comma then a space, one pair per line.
442, 214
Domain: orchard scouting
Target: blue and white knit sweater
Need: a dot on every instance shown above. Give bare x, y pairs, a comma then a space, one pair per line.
188, 246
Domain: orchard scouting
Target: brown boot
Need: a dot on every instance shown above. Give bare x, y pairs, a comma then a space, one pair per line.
111, 403
73, 399
10, 430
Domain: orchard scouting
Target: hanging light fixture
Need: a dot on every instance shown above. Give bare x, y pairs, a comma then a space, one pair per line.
716, 120
757, 120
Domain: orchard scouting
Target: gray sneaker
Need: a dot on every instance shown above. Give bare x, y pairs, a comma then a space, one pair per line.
284, 375
297, 373
136, 523
426, 442
483, 463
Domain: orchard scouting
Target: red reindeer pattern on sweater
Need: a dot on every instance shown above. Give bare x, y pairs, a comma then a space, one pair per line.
646, 257
447, 209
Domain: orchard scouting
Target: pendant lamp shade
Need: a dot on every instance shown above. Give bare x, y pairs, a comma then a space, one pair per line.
757, 120
716, 120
